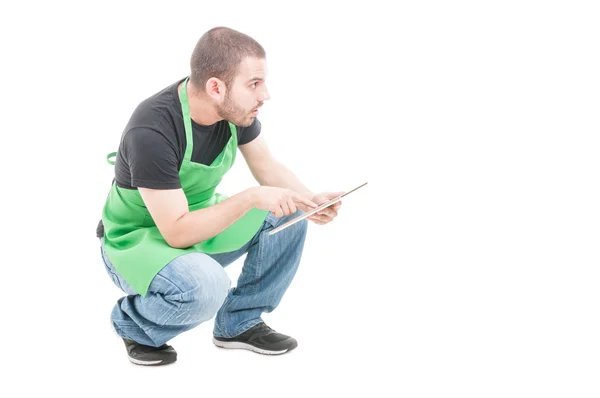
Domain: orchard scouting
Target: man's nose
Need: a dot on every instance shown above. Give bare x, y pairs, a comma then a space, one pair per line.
265, 95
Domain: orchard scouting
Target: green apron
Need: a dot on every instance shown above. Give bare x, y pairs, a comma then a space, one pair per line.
132, 241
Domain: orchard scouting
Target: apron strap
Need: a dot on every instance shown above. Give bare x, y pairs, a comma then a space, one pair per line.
111, 155
187, 121
233, 131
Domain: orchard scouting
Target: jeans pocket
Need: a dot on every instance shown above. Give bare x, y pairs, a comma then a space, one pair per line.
115, 280
113, 275
272, 220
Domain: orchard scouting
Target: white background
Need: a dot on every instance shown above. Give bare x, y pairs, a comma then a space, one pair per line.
467, 267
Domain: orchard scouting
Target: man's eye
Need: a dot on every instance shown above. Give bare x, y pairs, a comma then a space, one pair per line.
253, 85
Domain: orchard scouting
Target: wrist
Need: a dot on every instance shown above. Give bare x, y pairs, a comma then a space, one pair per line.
249, 197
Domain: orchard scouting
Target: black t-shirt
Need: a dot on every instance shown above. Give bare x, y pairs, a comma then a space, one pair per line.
153, 142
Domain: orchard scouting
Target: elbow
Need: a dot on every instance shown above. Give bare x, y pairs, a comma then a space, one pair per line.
175, 244
174, 235
172, 240
176, 240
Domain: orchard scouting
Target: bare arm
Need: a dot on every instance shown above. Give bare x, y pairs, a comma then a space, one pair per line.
182, 228
269, 171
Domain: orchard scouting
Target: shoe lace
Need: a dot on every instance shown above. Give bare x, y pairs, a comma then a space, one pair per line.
266, 329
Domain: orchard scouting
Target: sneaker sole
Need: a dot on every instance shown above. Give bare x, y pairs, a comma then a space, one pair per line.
145, 363
245, 346
150, 363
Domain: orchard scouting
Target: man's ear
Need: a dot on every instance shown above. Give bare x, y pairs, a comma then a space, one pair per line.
215, 88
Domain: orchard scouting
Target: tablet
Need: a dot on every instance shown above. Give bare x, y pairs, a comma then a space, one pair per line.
313, 211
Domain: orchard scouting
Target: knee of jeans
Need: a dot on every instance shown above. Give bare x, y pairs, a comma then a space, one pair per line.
303, 225
204, 287
300, 227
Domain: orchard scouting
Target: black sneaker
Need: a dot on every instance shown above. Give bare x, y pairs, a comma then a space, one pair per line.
150, 356
259, 338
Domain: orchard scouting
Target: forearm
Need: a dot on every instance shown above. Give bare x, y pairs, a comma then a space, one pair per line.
278, 175
203, 224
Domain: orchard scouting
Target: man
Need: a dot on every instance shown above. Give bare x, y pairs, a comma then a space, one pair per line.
166, 233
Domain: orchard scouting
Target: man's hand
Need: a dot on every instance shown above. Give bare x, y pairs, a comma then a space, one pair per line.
329, 213
279, 201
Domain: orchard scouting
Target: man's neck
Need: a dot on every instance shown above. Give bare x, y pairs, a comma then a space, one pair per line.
201, 110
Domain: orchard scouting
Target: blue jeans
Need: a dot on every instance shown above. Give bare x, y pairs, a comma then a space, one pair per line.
193, 287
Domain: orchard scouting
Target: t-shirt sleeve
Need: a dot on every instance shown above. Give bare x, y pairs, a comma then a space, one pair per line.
152, 159
249, 133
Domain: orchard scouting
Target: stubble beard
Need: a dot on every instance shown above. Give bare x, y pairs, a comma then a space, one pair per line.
234, 114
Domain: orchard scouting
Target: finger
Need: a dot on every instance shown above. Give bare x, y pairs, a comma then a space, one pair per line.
333, 195
318, 215
328, 211
279, 213
285, 208
301, 199
323, 219
302, 207
292, 206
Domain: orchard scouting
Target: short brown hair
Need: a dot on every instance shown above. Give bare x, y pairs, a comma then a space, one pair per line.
218, 54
